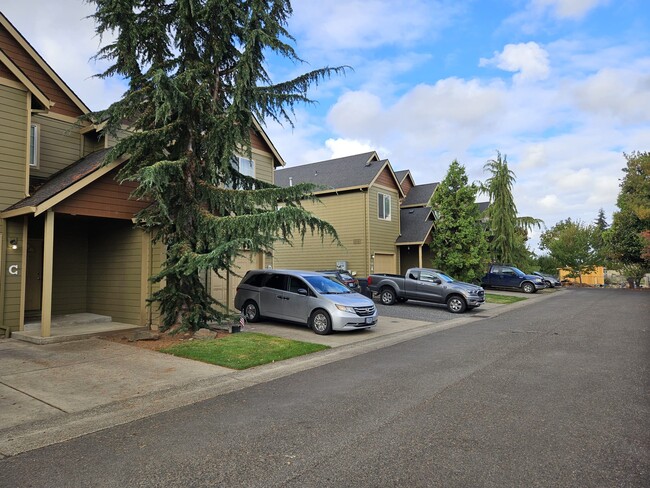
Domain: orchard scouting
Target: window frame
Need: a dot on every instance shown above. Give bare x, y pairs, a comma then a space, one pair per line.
34, 154
382, 200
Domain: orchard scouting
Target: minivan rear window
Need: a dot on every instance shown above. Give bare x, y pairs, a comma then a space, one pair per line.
254, 279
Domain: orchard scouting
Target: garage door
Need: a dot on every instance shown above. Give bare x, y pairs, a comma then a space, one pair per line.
224, 289
385, 263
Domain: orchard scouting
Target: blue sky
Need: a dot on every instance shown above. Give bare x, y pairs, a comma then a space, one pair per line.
562, 87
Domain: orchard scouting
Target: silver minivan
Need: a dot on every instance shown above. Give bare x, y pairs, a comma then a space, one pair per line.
305, 297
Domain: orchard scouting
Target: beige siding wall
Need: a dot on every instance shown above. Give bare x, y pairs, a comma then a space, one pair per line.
60, 145
92, 143
157, 258
12, 283
263, 167
114, 260
69, 288
384, 233
347, 213
13, 145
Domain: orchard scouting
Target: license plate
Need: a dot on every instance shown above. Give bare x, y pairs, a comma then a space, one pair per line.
368, 320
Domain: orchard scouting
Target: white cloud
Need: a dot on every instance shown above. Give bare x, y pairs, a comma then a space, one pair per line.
352, 24
528, 60
347, 147
567, 9
619, 93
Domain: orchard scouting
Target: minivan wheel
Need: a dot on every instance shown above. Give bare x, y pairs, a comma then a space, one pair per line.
528, 287
320, 322
251, 311
387, 296
456, 304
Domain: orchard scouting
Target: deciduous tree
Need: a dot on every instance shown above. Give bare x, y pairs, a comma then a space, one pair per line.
570, 244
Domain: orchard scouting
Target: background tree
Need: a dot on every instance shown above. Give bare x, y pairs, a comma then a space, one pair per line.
196, 82
507, 232
547, 264
570, 244
458, 240
600, 227
625, 239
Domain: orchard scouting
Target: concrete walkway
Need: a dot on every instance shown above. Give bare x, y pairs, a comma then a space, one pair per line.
53, 392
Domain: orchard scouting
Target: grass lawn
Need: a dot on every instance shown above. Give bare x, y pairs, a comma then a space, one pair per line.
494, 298
243, 350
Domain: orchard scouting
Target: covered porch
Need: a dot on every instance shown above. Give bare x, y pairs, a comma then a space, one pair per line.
85, 267
415, 237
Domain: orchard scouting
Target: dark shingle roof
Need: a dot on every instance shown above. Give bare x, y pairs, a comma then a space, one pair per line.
482, 206
63, 179
419, 195
400, 175
415, 225
350, 171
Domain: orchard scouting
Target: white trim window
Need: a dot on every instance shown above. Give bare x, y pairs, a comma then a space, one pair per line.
34, 143
383, 206
244, 165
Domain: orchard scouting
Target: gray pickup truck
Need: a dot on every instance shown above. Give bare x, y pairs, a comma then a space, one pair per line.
428, 285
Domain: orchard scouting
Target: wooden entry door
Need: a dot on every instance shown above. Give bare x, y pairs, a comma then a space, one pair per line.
34, 275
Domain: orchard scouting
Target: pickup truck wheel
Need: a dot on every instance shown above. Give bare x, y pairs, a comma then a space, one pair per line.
456, 304
528, 287
387, 296
320, 322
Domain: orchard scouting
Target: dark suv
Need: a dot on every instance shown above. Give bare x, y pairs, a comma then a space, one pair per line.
343, 276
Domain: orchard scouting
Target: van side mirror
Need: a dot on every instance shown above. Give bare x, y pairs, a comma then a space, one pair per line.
303, 291
437, 281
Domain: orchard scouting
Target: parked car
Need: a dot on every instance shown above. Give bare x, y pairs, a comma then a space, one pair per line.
550, 280
429, 285
503, 276
344, 277
305, 297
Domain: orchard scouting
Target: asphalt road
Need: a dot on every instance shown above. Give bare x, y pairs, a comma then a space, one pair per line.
553, 394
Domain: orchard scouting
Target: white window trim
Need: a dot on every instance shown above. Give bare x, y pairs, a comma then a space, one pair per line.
239, 163
35, 156
381, 202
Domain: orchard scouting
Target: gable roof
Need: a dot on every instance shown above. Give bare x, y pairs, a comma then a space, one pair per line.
482, 206
403, 174
419, 196
43, 67
355, 171
63, 184
415, 225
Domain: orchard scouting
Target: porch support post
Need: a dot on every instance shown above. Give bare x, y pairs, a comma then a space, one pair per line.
420, 256
48, 265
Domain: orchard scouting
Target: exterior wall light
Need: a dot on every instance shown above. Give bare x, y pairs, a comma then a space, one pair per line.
13, 244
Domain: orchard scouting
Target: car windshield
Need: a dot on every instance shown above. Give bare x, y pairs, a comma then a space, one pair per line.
518, 272
326, 286
445, 278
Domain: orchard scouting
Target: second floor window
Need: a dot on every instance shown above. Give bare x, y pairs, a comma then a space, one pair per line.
244, 166
383, 206
34, 145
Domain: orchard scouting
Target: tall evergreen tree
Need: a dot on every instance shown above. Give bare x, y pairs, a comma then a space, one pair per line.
507, 231
196, 83
458, 241
599, 228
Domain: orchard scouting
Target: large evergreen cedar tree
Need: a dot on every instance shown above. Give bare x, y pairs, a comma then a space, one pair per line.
458, 241
507, 232
196, 81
